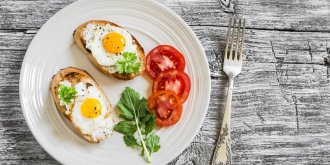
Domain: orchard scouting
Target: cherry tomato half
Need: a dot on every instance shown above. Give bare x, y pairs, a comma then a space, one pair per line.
173, 80
167, 107
163, 58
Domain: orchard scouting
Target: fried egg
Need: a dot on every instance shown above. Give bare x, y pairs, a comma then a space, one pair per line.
107, 43
90, 113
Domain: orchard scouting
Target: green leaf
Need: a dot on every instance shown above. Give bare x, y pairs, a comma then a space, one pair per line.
130, 141
125, 127
67, 93
125, 112
153, 143
146, 117
128, 63
130, 99
124, 117
156, 148
142, 108
150, 124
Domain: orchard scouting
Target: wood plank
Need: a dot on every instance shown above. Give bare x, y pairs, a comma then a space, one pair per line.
20, 14
16, 39
30, 161
18, 142
302, 15
276, 14
10, 106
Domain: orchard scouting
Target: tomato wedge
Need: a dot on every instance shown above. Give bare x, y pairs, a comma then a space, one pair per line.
163, 58
173, 80
167, 107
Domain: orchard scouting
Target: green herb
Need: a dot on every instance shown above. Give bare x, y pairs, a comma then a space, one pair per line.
128, 63
67, 93
130, 140
137, 118
153, 143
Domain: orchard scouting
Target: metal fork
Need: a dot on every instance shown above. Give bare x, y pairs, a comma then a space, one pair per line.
232, 67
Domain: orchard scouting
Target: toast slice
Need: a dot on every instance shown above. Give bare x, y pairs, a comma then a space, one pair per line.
75, 75
78, 38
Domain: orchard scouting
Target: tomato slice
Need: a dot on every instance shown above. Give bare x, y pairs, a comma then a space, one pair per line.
173, 80
163, 58
167, 107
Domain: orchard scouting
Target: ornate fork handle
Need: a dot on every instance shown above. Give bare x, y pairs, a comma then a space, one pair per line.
222, 154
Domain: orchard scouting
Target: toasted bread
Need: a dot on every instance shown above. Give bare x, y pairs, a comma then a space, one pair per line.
75, 75
78, 38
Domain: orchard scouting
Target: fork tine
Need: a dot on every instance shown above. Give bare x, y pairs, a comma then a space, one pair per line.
228, 36
232, 40
237, 39
242, 42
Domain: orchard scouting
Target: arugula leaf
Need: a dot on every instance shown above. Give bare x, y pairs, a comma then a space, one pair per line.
130, 141
128, 63
133, 109
125, 127
153, 143
67, 93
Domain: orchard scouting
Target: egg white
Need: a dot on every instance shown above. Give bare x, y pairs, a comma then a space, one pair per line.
93, 36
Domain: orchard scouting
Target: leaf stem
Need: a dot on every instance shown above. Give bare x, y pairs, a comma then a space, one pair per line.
142, 141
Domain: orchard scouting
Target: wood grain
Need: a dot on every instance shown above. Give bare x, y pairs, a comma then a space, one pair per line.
302, 15
280, 101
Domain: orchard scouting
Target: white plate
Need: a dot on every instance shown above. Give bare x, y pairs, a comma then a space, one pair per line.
53, 48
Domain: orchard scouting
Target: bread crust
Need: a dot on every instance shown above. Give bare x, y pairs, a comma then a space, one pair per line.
75, 75
78, 38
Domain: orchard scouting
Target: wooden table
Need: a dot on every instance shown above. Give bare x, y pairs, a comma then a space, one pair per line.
281, 100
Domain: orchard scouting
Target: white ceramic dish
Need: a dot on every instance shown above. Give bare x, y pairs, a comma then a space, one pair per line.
53, 48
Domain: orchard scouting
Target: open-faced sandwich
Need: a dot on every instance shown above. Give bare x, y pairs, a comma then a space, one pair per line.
111, 48
79, 98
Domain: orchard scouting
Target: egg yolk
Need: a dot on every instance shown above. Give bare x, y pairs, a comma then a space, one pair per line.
114, 43
91, 108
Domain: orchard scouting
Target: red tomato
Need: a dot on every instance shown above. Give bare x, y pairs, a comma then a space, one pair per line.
167, 107
163, 58
173, 80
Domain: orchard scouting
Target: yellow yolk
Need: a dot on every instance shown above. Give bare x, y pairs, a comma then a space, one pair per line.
114, 43
91, 108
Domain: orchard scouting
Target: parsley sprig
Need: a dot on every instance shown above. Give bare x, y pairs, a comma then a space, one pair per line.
67, 93
137, 118
128, 63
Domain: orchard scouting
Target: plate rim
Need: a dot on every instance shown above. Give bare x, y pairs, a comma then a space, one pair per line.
154, 3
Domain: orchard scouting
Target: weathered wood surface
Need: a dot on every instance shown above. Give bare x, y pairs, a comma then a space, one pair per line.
281, 99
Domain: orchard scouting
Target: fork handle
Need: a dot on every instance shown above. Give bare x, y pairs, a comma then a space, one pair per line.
222, 154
